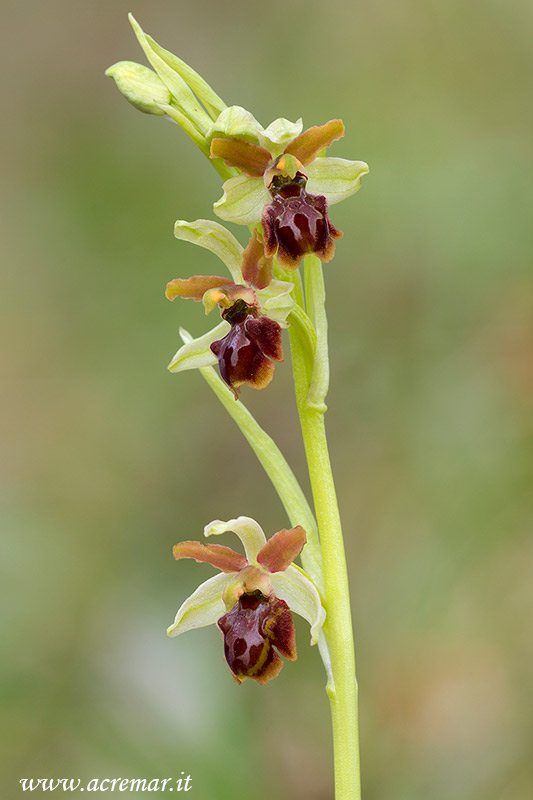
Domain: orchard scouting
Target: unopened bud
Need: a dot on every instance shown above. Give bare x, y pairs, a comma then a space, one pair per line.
141, 86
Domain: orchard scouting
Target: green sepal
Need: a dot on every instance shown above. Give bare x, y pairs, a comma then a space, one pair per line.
276, 301
214, 237
278, 135
196, 353
247, 529
302, 597
235, 122
243, 200
335, 178
204, 606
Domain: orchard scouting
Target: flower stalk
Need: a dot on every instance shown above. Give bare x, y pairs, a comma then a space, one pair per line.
342, 688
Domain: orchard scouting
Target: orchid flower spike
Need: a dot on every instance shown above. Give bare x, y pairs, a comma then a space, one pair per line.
252, 598
254, 308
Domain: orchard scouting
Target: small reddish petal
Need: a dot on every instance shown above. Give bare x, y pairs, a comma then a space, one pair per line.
248, 158
308, 144
195, 287
218, 555
282, 548
256, 267
267, 334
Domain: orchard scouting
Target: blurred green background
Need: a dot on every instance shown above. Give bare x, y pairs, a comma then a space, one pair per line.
108, 460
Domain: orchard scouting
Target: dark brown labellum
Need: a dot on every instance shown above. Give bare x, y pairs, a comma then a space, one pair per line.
296, 223
252, 629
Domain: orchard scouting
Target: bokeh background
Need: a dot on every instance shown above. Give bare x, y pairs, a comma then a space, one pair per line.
108, 460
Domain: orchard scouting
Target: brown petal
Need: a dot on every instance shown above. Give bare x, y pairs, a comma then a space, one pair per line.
194, 287
256, 267
308, 144
282, 548
248, 158
218, 555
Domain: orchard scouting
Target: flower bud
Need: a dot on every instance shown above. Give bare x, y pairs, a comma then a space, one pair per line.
140, 85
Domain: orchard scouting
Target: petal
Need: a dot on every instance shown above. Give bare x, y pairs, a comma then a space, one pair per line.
335, 178
219, 556
197, 353
308, 144
302, 597
243, 200
247, 157
213, 237
204, 607
282, 548
247, 529
256, 267
194, 288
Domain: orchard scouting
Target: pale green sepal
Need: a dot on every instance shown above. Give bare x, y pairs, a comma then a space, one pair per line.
235, 122
213, 237
204, 606
243, 200
196, 353
276, 301
182, 94
140, 85
200, 87
335, 178
278, 135
301, 595
247, 529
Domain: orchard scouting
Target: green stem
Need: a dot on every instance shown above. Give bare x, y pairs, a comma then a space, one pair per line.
311, 386
279, 472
